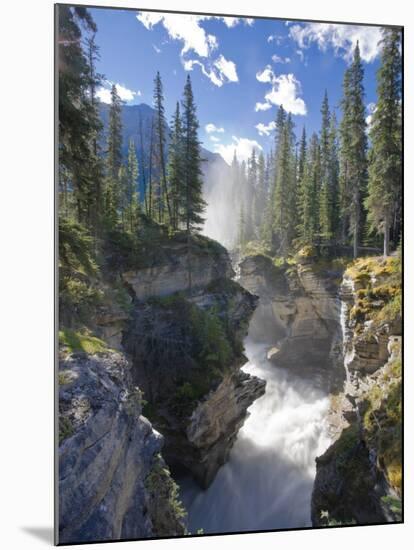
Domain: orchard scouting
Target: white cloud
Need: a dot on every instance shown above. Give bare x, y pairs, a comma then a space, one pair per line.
342, 38
156, 48
182, 27
212, 128
211, 74
262, 106
277, 59
104, 93
267, 75
300, 54
187, 29
265, 129
284, 91
215, 139
242, 146
227, 69
277, 39
219, 72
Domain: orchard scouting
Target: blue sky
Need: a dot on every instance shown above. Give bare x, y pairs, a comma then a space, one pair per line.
241, 69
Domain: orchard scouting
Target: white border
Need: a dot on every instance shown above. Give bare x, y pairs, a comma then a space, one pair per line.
26, 256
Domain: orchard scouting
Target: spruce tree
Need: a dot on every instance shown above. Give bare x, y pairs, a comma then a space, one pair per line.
284, 194
78, 124
132, 194
385, 170
113, 192
353, 149
251, 197
191, 194
176, 167
160, 140
309, 194
328, 214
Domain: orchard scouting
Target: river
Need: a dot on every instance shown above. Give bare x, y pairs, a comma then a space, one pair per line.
267, 481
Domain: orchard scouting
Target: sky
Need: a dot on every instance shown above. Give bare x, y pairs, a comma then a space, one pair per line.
242, 69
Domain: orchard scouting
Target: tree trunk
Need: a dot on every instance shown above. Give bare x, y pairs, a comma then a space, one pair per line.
386, 237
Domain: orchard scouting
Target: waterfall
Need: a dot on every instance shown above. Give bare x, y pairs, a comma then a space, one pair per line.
268, 479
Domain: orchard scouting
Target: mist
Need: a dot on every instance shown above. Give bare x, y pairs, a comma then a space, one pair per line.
221, 213
267, 482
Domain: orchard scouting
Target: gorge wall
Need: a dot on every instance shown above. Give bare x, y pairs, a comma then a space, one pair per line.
165, 342
342, 331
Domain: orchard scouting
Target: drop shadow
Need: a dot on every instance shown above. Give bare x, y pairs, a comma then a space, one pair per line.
45, 534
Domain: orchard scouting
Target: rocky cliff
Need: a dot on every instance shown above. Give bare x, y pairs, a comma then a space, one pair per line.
359, 477
186, 352
177, 321
113, 482
299, 312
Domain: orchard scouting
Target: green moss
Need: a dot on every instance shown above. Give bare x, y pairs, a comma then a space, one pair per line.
378, 294
394, 505
254, 248
162, 487
65, 428
64, 377
81, 341
382, 423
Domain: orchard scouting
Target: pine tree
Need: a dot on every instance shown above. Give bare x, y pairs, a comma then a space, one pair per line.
131, 190
176, 167
261, 193
160, 140
309, 194
284, 194
95, 195
191, 193
328, 214
251, 197
78, 123
242, 227
385, 170
353, 149
113, 193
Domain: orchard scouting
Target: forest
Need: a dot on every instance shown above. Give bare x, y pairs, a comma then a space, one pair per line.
209, 379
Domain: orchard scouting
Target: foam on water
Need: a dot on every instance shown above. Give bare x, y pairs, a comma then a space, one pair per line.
267, 482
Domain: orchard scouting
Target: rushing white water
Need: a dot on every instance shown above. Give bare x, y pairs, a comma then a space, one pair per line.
267, 482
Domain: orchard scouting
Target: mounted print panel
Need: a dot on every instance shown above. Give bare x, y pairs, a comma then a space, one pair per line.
229, 205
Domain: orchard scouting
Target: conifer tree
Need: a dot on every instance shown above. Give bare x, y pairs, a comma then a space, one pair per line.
176, 168
385, 170
160, 140
191, 192
113, 160
353, 149
284, 195
261, 193
309, 194
251, 197
242, 227
328, 213
132, 194
78, 123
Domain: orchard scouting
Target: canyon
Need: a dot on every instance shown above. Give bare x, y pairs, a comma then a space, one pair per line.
238, 388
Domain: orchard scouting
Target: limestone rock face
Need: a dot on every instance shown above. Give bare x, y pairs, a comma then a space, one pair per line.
202, 445
276, 307
299, 312
347, 487
198, 403
360, 473
109, 457
171, 273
